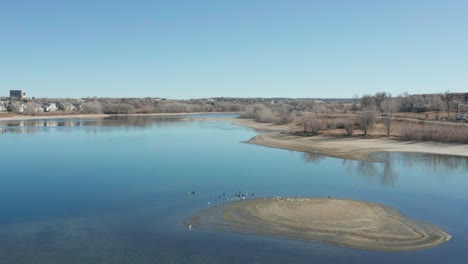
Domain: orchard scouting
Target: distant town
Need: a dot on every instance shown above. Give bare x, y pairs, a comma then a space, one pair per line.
20, 103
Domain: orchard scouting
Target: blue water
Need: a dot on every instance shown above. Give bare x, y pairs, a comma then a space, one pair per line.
115, 191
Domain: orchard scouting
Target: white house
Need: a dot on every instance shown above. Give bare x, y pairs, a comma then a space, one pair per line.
78, 107
2, 107
50, 107
16, 107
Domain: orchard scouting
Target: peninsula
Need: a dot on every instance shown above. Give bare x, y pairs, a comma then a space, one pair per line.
355, 148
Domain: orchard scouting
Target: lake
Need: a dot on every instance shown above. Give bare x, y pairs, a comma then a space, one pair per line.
117, 190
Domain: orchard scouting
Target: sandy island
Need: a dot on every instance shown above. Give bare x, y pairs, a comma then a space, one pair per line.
347, 223
356, 148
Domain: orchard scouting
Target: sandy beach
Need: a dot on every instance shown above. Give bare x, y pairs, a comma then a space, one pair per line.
356, 148
348, 223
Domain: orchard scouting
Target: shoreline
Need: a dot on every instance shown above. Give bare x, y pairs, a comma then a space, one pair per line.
64, 116
354, 148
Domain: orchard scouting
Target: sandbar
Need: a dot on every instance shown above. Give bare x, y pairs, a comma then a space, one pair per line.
345, 223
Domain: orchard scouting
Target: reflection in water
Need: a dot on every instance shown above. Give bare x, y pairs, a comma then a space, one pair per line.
382, 170
34, 126
312, 157
441, 165
70, 197
388, 177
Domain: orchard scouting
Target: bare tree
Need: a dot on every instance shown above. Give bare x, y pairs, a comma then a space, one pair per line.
265, 115
389, 107
93, 107
349, 127
367, 119
405, 102
379, 98
311, 124
355, 101
31, 108
367, 101
284, 115
446, 99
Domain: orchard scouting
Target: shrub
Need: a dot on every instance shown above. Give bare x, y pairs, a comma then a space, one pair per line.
311, 125
349, 128
434, 132
265, 115
367, 120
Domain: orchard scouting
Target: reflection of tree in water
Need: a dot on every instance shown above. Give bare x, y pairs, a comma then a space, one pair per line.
381, 170
388, 177
440, 165
32, 126
19, 130
312, 157
139, 121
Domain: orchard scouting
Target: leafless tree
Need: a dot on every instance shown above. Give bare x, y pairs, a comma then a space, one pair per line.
389, 107
31, 108
367, 119
284, 115
355, 101
93, 107
311, 124
265, 115
367, 101
446, 98
438, 103
379, 98
349, 127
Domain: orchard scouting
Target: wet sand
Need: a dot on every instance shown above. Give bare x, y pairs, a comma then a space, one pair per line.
356, 148
346, 223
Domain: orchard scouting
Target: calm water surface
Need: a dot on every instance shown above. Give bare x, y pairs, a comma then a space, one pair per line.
115, 191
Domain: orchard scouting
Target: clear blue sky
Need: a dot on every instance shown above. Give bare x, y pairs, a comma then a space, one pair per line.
241, 48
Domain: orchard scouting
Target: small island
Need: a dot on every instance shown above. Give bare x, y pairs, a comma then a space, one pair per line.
346, 223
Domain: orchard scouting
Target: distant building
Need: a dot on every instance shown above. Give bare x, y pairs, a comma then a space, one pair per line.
49, 107
16, 107
18, 94
2, 107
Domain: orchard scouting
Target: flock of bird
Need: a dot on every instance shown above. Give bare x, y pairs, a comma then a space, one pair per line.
225, 197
